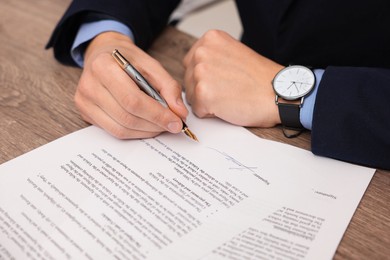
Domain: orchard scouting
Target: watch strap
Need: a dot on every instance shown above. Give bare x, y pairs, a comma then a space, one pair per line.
290, 117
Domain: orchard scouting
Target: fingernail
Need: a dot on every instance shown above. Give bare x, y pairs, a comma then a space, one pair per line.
174, 127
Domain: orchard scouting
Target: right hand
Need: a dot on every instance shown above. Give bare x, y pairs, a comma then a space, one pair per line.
107, 97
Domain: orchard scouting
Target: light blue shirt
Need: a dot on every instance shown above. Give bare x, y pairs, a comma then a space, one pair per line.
306, 115
88, 31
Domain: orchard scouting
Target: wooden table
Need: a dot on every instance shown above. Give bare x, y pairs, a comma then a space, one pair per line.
36, 107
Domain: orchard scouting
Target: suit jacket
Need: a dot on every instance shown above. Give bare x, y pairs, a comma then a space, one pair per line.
349, 39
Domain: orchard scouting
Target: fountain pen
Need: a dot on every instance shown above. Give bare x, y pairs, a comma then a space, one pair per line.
146, 87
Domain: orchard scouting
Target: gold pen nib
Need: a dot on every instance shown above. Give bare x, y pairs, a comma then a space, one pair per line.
188, 132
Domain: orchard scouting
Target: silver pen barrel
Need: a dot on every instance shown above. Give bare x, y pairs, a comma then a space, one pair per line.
137, 77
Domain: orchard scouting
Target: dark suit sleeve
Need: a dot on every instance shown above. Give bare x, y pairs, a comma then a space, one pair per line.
146, 18
351, 120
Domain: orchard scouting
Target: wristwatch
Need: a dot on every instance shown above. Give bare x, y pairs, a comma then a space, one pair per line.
290, 84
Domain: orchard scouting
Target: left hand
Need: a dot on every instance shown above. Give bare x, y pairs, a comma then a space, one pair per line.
226, 79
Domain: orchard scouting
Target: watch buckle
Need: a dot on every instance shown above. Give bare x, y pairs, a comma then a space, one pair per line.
300, 103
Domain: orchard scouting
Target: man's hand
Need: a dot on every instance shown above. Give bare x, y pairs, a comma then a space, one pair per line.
226, 79
108, 98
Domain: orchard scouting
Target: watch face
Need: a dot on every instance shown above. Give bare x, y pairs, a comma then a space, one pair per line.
293, 82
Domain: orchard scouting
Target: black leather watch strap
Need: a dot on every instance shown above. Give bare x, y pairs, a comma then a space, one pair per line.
289, 115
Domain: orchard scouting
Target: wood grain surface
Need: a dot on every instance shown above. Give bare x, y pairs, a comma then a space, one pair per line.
36, 107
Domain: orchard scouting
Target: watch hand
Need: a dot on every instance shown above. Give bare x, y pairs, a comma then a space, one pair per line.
303, 83
296, 87
293, 83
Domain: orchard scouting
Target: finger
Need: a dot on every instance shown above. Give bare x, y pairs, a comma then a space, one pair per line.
96, 116
165, 84
161, 80
188, 84
198, 89
117, 130
90, 90
189, 56
133, 100
194, 72
110, 106
212, 39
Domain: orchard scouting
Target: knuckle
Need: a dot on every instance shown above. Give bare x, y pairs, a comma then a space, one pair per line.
200, 110
83, 90
128, 120
134, 108
100, 63
118, 132
200, 54
200, 70
131, 103
160, 117
201, 92
82, 96
213, 34
96, 65
174, 84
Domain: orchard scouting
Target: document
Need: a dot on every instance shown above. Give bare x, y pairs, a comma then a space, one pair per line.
233, 195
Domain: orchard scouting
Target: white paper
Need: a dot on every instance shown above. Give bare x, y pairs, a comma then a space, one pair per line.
90, 196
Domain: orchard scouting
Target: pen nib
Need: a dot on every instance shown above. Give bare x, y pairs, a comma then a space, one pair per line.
188, 132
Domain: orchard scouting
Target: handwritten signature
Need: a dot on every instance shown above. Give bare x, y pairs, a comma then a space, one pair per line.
238, 165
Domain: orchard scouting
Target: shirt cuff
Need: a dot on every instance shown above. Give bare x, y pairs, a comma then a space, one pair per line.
306, 115
88, 31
